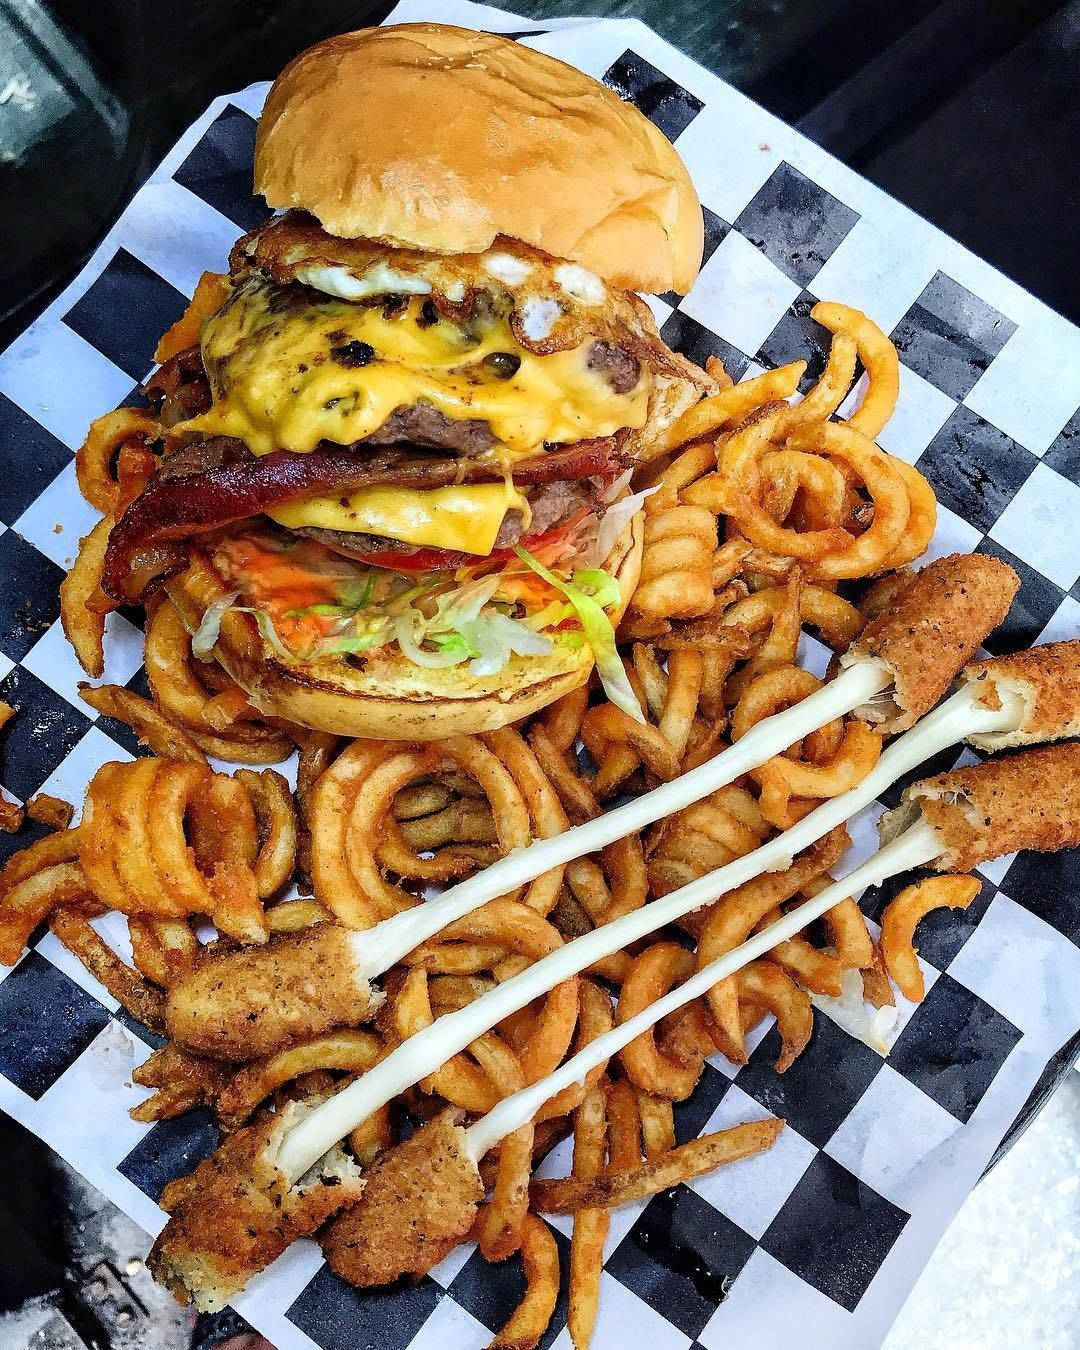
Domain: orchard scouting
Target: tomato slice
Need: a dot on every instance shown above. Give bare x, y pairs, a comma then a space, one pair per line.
444, 559
423, 560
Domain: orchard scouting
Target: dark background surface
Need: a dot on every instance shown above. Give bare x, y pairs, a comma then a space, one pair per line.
965, 110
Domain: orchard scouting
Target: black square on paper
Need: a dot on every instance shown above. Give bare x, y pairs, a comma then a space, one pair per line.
153, 1039
820, 1089
1064, 454
975, 469
30, 833
338, 1316
954, 1046
1035, 605
716, 229
125, 312
32, 458
834, 1231
218, 170
681, 1257
698, 343
48, 1022
798, 338
692, 1115
491, 1291
949, 336
943, 932
796, 223
29, 607
170, 1149
1048, 885
41, 735
666, 104
119, 731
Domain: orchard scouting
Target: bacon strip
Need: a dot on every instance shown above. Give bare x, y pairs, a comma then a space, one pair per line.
144, 544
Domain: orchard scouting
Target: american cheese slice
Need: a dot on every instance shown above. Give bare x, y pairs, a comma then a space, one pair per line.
465, 518
327, 369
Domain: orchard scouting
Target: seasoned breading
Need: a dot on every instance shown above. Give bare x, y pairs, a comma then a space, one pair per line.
241, 1005
234, 1214
933, 625
419, 1203
1047, 681
1030, 800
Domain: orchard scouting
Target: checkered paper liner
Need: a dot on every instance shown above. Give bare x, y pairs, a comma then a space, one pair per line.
825, 1234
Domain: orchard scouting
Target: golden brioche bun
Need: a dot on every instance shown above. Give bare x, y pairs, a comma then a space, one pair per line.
394, 699
440, 138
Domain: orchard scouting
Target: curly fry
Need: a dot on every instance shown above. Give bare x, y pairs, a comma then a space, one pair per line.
901, 917
878, 355
676, 565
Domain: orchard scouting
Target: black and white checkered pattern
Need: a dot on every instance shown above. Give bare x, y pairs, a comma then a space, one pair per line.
823, 1236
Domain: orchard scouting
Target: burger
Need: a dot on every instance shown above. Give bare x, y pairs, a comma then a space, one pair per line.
395, 496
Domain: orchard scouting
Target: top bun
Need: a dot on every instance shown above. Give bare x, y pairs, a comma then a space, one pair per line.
440, 138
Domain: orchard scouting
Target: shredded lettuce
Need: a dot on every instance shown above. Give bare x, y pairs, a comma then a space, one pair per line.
548, 617
600, 585
204, 638
493, 637
356, 597
464, 628
463, 605
322, 611
438, 625
612, 523
582, 593
410, 635
364, 642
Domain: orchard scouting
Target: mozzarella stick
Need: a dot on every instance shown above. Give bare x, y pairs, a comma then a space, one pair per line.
1027, 801
965, 598
237, 1211
933, 626
422, 1199
379, 1238
240, 1005
1045, 679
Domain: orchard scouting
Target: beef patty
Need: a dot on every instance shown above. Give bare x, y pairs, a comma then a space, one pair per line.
422, 424
180, 390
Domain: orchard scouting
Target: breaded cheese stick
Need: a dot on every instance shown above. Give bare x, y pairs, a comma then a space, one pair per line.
965, 596
386, 1234
1031, 801
242, 1005
934, 625
237, 1211
1045, 679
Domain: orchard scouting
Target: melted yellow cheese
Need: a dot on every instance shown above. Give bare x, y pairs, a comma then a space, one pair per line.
278, 385
465, 518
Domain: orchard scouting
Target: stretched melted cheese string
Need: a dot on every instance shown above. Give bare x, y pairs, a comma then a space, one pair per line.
915, 847
379, 948
429, 1049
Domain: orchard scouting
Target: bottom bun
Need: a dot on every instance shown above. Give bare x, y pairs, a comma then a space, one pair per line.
389, 697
